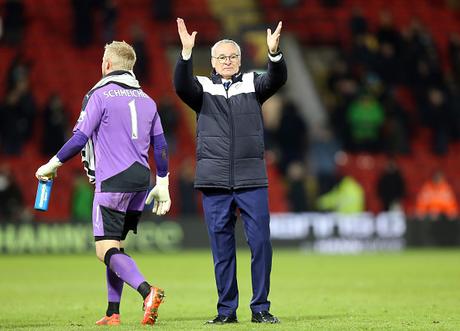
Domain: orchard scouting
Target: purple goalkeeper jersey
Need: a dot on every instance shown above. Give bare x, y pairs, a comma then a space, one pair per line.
120, 122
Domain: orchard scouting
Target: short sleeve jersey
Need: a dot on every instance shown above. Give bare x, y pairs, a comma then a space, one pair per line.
120, 122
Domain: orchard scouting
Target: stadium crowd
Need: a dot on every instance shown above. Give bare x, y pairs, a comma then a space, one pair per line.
364, 93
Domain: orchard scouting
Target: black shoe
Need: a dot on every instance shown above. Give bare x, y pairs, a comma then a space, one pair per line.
221, 319
264, 317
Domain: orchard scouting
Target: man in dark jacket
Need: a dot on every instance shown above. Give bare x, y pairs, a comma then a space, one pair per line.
391, 186
230, 169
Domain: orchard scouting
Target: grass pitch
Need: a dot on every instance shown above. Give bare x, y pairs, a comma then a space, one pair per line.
413, 290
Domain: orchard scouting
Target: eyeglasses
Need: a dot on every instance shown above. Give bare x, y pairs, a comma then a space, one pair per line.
222, 58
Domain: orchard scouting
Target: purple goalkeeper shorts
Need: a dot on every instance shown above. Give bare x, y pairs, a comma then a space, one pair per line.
116, 213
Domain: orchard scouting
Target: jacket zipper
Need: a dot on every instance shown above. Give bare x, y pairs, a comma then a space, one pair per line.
232, 135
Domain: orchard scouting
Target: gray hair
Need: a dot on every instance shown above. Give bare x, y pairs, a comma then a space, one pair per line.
225, 41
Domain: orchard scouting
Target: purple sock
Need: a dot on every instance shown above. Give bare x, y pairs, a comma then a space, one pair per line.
114, 286
126, 269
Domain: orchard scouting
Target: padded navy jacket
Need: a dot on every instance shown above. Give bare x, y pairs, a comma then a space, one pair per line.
229, 134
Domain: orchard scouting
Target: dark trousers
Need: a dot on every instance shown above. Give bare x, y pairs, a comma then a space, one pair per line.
220, 214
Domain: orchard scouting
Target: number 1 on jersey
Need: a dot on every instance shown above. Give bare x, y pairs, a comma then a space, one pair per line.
132, 109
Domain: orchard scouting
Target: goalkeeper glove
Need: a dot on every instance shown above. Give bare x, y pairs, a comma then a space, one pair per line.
160, 193
48, 171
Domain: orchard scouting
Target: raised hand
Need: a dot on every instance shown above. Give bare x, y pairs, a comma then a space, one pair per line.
188, 40
273, 39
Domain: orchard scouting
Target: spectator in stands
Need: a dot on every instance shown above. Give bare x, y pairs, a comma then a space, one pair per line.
142, 68
83, 25
388, 64
17, 70
438, 112
454, 56
14, 22
12, 207
340, 79
391, 187
344, 88
231, 171
82, 199
373, 85
292, 135
364, 53
417, 46
169, 120
271, 111
387, 33
297, 192
358, 23
436, 199
18, 114
365, 117
396, 129
428, 76
454, 110
422, 40
346, 197
109, 20
55, 125
323, 149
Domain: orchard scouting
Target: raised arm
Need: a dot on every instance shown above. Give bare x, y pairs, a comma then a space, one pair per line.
187, 40
273, 39
187, 87
268, 83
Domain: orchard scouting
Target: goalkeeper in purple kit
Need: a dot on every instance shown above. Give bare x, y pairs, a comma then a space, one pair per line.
116, 127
